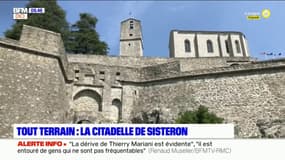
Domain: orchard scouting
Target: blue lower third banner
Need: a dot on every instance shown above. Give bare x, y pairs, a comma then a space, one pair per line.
135, 141
123, 131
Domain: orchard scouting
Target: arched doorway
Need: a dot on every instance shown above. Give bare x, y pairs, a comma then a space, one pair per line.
87, 100
84, 122
116, 110
87, 105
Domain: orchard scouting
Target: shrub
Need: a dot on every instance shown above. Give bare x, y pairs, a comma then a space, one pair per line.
202, 115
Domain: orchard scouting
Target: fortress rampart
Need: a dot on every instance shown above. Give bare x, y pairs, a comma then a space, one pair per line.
40, 83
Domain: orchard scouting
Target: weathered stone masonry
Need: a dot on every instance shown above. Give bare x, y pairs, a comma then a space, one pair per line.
32, 82
40, 83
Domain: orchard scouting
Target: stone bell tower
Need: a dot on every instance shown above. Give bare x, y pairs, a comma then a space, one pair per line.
131, 38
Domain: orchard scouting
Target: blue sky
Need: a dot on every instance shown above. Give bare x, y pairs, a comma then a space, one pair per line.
160, 17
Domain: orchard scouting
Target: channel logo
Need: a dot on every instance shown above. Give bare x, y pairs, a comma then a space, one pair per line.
20, 16
265, 14
22, 13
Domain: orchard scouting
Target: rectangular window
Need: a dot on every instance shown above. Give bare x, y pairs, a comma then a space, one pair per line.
237, 46
102, 75
227, 46
77, 74
187, 45
210, 46
118, 75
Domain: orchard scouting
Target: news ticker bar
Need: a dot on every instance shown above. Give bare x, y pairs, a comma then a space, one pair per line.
146, 149
140, 131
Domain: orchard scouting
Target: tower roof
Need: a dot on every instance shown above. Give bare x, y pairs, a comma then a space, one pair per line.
130, 19
206, 32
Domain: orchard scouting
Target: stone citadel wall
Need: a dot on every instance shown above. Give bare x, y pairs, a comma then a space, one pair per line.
39, 83
32, 82
138, 62
243, 98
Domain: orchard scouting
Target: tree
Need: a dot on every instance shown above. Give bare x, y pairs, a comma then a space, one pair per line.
84, 38
199, 116
53, 19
